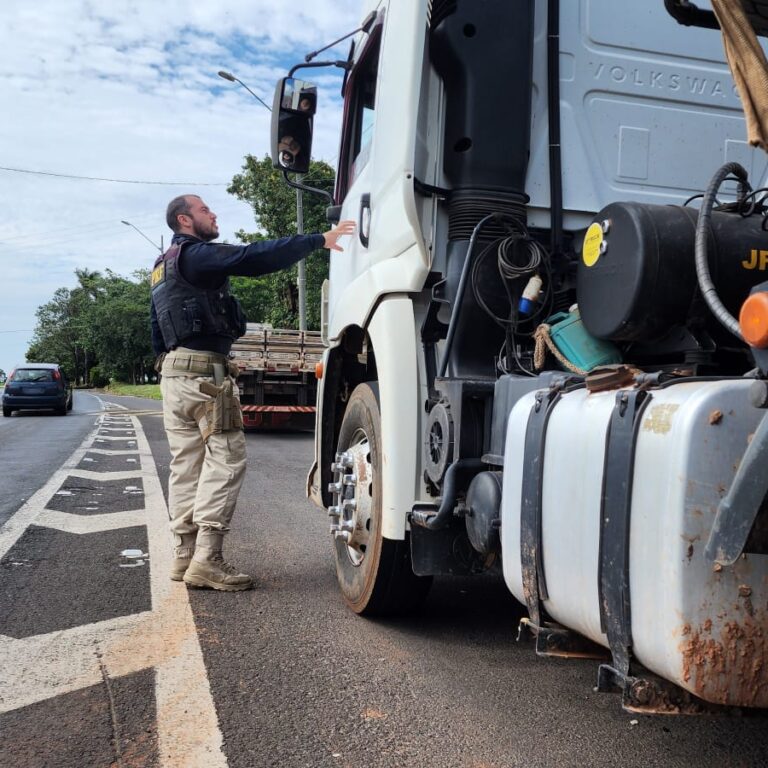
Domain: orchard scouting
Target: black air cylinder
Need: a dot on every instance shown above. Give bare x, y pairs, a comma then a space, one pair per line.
483, 50
484, 512
637, 275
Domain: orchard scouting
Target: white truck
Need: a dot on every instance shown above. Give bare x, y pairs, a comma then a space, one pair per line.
532, 361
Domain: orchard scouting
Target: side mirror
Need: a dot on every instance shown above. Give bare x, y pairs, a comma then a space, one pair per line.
294, 105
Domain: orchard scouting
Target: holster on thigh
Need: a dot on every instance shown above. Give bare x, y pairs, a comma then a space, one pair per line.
222, 413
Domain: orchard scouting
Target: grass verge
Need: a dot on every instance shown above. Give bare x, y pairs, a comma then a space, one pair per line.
151, 391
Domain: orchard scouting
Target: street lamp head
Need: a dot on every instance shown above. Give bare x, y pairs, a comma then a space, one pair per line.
129, 224
232, 79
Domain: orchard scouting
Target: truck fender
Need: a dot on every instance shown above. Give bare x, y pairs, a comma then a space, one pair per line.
392, 332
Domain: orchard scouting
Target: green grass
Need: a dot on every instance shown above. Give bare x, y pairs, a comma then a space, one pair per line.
151, 391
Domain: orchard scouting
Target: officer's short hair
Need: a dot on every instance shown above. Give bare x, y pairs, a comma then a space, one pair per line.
176, 207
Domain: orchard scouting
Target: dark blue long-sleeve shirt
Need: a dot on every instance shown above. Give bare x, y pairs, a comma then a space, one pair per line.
208, 265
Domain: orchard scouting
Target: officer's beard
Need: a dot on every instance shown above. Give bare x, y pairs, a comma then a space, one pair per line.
206, 235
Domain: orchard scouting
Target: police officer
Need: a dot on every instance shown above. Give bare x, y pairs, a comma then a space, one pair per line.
195, 319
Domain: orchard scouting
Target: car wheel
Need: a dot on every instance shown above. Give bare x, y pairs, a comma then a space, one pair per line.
7, 411
61, 411
374, 573
70, 402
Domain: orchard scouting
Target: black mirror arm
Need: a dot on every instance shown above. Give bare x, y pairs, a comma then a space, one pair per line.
345, 65
368, 22
314, 190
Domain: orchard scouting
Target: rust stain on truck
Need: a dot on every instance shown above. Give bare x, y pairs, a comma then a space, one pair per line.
729, 669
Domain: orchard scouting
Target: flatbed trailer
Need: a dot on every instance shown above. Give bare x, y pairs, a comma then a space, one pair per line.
277, 379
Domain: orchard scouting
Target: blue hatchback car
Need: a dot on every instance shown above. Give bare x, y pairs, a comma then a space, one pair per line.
37, 386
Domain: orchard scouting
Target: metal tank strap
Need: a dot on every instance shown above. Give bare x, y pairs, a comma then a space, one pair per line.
641, 690
615, 516
534, 581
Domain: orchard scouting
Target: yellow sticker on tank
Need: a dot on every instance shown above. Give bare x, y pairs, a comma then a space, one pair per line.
590, 251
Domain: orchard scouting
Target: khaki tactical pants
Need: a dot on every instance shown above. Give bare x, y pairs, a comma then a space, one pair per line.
203, 421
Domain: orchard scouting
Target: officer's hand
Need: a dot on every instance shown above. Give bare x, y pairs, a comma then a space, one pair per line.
340, 230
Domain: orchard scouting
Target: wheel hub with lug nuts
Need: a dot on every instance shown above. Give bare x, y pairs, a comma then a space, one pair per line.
350, 511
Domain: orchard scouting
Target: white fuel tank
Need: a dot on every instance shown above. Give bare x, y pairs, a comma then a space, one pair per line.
700, 626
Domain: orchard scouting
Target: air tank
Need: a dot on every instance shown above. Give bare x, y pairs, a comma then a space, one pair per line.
637, 273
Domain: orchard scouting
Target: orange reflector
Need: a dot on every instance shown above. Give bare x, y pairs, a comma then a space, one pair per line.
753, 320
319, 370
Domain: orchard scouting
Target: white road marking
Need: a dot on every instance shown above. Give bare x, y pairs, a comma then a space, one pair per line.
28, 513
91, 474
69, 523
105, 441
114, 452
41, 667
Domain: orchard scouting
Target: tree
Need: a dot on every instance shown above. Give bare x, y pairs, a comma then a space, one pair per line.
56, 335
88, 292
102, 325
120, 327
65, 333
274, 298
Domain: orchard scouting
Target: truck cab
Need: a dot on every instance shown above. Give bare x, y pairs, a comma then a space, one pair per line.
525, 361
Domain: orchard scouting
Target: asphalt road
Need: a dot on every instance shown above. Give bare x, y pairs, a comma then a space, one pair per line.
294, 679
32, 443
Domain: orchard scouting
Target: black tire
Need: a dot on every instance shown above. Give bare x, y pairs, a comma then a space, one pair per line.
7, 411
70, 402
382, 582
62, 411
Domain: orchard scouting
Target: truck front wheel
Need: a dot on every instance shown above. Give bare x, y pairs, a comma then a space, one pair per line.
374, 573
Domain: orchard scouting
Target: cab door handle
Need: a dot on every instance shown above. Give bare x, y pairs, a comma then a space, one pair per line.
364, 220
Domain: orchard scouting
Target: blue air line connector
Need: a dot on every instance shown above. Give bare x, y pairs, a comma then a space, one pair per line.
530, 297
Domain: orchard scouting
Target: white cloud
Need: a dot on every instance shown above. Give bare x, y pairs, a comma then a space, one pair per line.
128, 89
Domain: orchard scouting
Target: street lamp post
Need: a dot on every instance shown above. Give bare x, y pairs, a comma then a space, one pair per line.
154, 244
301, 279
232, 79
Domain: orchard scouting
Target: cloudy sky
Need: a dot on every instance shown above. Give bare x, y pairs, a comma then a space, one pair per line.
127, 89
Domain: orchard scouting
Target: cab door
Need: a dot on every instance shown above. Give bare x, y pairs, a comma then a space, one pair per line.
374, 185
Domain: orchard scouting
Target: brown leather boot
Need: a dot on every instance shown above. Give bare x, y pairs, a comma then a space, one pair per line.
182, 555
208, 568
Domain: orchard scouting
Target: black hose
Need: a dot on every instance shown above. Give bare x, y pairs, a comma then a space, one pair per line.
553, 116
460, 294
706, 285
434, 521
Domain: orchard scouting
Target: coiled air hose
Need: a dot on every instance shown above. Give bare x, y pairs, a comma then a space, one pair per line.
707, 287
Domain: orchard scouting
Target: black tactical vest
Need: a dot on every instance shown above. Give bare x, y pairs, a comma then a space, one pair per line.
185, 311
